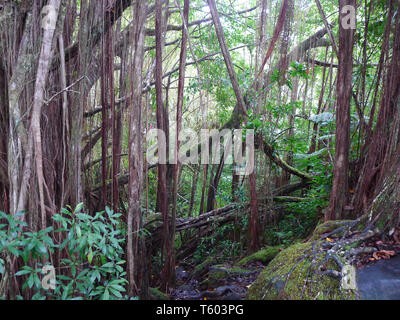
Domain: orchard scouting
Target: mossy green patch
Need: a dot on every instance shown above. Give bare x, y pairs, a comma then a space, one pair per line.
264, 255
202, 268
327, 227
291, 275
221, 271
218, 274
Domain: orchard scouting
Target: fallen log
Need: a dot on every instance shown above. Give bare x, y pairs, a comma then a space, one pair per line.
286, 190
153, 224
288, 199
204, 219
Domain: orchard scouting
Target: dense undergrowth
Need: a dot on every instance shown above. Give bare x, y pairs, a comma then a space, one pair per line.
91, 247
91, 251
297, 221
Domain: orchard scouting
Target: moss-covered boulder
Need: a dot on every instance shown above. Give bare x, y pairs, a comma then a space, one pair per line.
292, 275
264, 255
156, 294
222, 271
205, 284
202, 268
329, 226
219, 274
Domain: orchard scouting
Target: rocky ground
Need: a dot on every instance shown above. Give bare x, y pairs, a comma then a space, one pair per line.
216, 279
309, 269
220, 282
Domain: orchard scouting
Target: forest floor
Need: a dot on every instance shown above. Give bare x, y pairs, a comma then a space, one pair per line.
221, 282
377, 268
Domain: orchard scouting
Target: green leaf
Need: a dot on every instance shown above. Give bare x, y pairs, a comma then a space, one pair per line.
65, 211
44, 231
30, 281
20, 213
78, 208
41, 247
115, 292
106, 295
90, 256
78, 231
22, 272
118, 287
14, 251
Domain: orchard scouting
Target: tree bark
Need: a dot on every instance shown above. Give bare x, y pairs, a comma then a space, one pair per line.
4, 120
381, 145
135, 245
181, 87
340, 190
254, 223
168, 272
46, 55
195, 179
227, 56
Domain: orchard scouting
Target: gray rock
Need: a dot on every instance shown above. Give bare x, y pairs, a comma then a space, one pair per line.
380, 280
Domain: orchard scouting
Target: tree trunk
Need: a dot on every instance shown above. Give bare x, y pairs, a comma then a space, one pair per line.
181, 87
227, 56
4, 184
213, 186
195, 179
203, 189
340, 190
45, 58
135, 245
382, 143
168, 272
254, 227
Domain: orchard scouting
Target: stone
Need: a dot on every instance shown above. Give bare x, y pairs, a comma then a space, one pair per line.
287, 277
380, 280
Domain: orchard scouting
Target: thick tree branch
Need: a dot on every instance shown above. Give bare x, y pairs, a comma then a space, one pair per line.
227, 56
